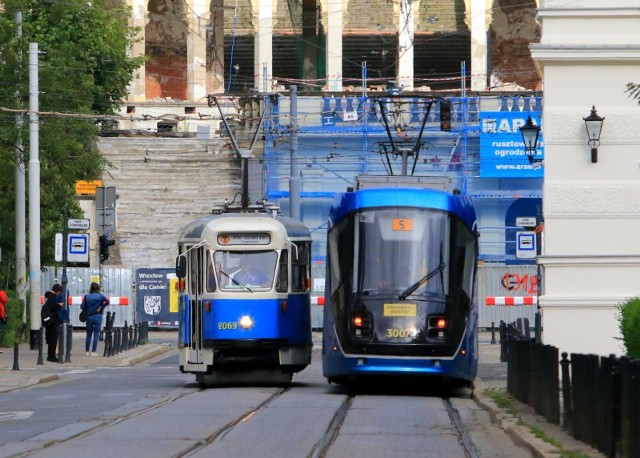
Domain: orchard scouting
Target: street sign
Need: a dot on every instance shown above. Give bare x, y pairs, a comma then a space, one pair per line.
87, 187
526, 245
526, 221
58, 248
78, 248
82, 224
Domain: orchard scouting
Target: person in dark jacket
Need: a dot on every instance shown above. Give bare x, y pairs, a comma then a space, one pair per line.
94, 303
51, 329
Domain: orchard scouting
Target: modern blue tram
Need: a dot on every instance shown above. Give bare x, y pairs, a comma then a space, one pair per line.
400, 290
244, 297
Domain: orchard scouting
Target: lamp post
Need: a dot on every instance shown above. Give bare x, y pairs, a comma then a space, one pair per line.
530, 133
593, 123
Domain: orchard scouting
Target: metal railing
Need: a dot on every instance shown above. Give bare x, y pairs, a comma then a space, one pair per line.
596, 397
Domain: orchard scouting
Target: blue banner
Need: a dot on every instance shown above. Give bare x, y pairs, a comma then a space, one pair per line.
502, 153
157, 297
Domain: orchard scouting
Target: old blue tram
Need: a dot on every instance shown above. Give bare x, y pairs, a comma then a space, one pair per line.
244, 294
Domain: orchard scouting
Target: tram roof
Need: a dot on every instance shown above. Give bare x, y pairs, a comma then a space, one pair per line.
345, 203
294, 228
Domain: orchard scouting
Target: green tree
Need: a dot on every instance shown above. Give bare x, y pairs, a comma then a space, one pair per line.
84, 70
629, 323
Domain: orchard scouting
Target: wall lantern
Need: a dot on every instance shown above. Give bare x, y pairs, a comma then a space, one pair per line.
593, 122
530, 133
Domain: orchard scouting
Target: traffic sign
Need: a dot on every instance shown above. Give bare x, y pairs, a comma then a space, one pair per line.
526, 221
58, 246
82, 224
526, 245
78, 248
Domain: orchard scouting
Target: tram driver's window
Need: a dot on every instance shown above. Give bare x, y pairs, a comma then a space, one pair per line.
283, 274
300, 265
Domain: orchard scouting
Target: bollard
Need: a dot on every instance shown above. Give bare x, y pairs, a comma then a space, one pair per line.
493, 333
39, 344
135, 334
503, 342
16, 366
538, 327
125, 336
61, 343
566, 392
67, 358
145, 334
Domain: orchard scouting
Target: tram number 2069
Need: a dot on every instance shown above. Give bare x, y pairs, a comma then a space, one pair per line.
226, 325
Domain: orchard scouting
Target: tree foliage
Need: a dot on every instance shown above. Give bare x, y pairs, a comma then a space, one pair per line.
633, 90
84, 68
629, 322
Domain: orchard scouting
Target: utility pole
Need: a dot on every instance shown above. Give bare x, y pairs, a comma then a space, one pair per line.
65, 354
20, 205
34, 197
294, 180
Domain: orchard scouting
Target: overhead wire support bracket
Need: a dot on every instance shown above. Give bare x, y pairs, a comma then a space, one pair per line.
415, 149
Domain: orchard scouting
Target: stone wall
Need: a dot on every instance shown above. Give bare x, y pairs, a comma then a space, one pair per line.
161, 184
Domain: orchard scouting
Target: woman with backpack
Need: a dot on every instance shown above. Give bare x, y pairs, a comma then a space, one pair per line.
93, 304
50, 321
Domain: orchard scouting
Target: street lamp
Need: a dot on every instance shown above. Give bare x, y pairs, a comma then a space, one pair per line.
530, 133
593, 123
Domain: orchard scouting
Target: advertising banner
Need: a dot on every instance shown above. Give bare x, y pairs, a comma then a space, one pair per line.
157, 297
502, 153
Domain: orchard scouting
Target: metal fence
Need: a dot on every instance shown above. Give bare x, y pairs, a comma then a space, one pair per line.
114, 282
509, 288
600, 404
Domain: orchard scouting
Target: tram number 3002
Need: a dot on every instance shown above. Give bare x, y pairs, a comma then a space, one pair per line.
225, 325
398, 332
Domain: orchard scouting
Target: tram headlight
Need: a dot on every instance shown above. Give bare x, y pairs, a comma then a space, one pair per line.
246, 322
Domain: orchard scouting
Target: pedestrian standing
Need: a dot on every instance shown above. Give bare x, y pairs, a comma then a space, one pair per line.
50, 320
94, 304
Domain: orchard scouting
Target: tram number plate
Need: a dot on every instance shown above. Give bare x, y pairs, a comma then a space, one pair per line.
400, 333
226, 325
399, 309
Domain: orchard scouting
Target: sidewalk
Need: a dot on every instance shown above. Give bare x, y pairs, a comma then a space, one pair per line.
30, 373
520, 421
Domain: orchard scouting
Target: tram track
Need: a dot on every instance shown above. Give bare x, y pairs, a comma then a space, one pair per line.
225, 429
320, 449
461, 431
105, 424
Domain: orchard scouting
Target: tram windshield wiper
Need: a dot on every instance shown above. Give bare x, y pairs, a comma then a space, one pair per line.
233, 280
422, 281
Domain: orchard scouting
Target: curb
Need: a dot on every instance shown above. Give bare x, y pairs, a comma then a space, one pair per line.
158, 349
520, 434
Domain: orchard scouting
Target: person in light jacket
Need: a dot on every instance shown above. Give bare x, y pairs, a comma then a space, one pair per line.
94, 303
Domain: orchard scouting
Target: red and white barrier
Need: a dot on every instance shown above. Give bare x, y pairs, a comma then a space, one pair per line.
317, 300
509, 301
113, 300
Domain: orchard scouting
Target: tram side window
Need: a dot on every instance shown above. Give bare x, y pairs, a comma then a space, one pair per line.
300, 268
211, 275
283, 272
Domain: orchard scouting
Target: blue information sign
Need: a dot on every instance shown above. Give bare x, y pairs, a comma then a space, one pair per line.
157, 297
502, 153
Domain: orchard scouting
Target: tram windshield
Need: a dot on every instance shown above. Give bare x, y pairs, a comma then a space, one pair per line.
245, 270
402, 251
